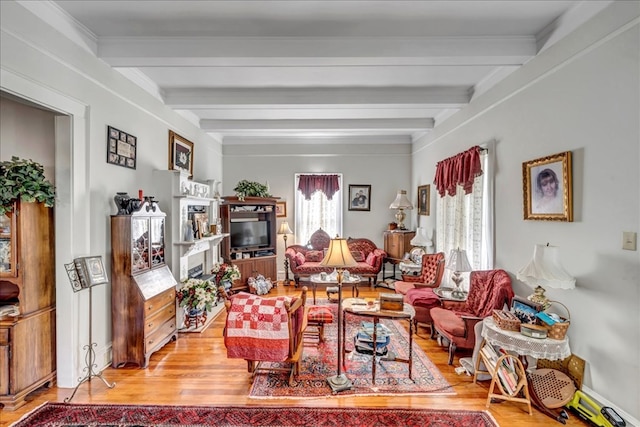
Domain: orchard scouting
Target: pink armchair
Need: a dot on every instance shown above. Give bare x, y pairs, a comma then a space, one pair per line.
455, 321
430, 274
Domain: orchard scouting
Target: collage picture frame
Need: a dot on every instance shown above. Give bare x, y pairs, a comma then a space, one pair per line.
122, 148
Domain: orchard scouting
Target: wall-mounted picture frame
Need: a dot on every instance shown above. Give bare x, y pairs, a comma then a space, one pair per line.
180, 153
424, 199
281, 209
547, 188
121, 148
359, 197
524, 309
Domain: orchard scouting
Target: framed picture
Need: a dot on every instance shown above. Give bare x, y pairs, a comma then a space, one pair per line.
359, 197
121, 148
546, 184
180, 153
281, 209
524, 309
424, 197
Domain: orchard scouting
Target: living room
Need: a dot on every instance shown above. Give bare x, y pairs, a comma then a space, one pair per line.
582, 96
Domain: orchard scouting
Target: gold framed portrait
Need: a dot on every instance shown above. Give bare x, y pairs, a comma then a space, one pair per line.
547, 188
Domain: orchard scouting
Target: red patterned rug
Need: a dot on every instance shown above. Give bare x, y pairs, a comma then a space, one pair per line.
63, 414
321, 362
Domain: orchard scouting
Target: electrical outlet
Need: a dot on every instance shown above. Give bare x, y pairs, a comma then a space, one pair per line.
629, 239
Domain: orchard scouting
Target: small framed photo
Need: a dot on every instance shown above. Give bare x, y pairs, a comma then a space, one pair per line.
424, 198
281, 209
121, 148
524, 309
359, 197
547, 188
180, 153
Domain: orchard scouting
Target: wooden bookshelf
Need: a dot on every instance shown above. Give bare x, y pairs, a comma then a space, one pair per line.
507, 375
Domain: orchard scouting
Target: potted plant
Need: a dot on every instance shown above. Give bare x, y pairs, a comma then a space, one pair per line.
246, 188
24, 180
225, 274
196, 296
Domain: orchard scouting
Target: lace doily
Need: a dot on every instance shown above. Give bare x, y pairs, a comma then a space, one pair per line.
546, 348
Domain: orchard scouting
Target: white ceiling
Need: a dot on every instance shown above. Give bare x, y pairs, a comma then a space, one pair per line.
243, 70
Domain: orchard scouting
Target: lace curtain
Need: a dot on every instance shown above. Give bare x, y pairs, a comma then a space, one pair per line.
318, 211
465, 220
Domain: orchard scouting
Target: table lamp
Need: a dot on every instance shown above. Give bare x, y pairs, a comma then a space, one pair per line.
545, 269
421, 240
284, 230
339, 256
401, 203
458, 263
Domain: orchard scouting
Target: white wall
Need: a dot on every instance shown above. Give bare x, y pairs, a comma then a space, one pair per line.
41, 65
583, 96
374, 162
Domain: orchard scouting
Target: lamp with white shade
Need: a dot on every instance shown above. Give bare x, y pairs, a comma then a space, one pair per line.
458, 263
401, 203
284, 230
545, 270
339, 256
421, 240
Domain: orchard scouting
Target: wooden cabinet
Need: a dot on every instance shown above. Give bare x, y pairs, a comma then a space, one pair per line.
27, 286
397, 243
143, 302
253, 256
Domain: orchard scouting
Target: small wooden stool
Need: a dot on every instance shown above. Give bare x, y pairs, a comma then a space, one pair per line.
318, 316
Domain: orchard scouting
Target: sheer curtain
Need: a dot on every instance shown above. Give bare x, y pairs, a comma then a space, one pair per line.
465, 221
319, 211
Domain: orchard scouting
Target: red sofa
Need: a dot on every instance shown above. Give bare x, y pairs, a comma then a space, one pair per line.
305, 260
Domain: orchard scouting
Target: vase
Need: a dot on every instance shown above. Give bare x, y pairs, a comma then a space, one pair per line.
227, 284
121, 199
188, 231
194, 317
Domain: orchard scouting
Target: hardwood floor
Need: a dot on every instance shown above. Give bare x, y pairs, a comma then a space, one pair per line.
195, 371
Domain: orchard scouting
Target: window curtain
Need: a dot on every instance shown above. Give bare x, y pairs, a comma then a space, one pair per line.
319, 210
309, 184
465, 219
459, 170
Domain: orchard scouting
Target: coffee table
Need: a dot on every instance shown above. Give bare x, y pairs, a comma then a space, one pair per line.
316, 279
359, 307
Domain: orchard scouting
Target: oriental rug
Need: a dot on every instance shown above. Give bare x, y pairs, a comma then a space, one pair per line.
320, 362
77, 415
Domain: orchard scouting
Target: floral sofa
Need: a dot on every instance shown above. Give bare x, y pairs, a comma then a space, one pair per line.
305, 260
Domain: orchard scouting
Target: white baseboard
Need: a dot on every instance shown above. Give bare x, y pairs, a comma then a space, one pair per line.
630, 420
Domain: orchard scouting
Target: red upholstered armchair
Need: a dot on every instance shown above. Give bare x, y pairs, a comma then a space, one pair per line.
455, 321
430, 274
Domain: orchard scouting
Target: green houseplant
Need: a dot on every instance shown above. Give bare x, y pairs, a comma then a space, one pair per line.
24, 180
246, 188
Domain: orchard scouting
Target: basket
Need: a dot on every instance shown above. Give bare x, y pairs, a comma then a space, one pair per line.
506, 320
558, 330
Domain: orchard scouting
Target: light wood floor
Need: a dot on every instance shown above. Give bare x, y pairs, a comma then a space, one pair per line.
195, 371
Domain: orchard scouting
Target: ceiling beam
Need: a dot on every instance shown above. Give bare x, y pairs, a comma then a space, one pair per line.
406, 125
314, 51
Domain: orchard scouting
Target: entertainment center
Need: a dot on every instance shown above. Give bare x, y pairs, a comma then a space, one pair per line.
251, 224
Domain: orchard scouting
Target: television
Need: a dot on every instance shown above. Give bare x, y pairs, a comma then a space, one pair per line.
249, 234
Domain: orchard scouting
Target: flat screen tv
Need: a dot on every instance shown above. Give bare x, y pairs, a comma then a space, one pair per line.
249, 234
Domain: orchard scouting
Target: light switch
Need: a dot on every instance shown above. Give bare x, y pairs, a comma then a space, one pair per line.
629, 240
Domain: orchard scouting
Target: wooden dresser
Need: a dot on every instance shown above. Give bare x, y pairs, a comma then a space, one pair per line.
397, 243
143, 301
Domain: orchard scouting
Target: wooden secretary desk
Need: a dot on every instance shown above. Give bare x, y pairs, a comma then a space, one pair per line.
143, 290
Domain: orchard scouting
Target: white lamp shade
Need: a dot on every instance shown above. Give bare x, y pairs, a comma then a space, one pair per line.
546, 270
458, 260
338, 254
284, 228
401, 201
421, 239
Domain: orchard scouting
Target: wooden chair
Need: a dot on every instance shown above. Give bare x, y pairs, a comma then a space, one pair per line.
245, 336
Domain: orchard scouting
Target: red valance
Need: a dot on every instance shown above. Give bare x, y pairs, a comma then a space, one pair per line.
460, 169
309, 184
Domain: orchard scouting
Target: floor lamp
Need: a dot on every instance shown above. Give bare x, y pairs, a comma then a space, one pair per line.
339, 256
284, 230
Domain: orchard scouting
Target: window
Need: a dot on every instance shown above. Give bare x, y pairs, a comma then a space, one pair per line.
465, 221
318, 212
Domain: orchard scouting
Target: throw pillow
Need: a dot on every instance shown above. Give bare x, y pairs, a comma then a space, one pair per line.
371, 259
300, 259
314, 256
358, 256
